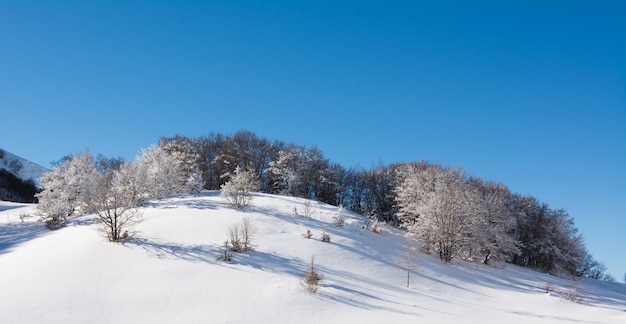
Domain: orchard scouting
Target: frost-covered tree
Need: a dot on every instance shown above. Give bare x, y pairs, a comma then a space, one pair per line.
494, 222
116, 203
133, 177
434, 206
238, 190
594, 269
549, 241
186, 153
373, 193
282, 173
67, 189
164, 173
55, 203
243, 149
104, 163
301, 172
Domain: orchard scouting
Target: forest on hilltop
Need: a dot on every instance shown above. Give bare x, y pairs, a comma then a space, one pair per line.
454, 214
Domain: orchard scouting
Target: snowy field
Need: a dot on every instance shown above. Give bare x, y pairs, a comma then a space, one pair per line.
169, 273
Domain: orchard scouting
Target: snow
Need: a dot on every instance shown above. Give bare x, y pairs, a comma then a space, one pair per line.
29, 170
169, 273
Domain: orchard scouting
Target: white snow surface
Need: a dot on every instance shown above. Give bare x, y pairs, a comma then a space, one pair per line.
169, 273
29, 170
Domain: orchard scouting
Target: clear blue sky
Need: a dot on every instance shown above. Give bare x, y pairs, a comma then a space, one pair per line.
527, 93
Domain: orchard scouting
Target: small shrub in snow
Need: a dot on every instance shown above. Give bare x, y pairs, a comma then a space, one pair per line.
341, 220
312, 279
54, 222
549, 286
308, 209
225, 255
24, 216
378, 228
308, 234
325, 237
241, 236
573, 293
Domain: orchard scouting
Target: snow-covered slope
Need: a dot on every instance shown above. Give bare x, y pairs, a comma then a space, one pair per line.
169, 274
21, 167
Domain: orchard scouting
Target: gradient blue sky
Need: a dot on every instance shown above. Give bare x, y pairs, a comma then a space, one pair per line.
527, 93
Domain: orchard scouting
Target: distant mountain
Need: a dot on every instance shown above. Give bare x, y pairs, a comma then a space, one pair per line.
18, 177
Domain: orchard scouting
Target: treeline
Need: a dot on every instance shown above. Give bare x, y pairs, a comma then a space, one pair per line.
455, 215
487, 222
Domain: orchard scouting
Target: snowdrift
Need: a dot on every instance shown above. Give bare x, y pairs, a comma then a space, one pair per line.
169, 273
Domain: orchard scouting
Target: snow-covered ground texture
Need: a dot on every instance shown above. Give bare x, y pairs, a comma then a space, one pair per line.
169, 273
22, 168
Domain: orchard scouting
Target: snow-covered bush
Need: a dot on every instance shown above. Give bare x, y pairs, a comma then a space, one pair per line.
308, 234
238, 190
325, 237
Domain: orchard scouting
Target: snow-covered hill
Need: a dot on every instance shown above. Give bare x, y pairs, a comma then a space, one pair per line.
169, 273
22, 168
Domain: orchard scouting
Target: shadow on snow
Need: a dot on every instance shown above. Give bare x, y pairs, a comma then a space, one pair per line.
18, 233
168, 250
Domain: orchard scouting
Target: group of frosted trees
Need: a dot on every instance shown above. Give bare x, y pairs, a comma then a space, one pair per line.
111, 188
455, 215
460, 216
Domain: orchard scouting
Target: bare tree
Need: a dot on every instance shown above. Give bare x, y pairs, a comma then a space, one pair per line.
407, 260
308, 208
248, 232
241, 236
